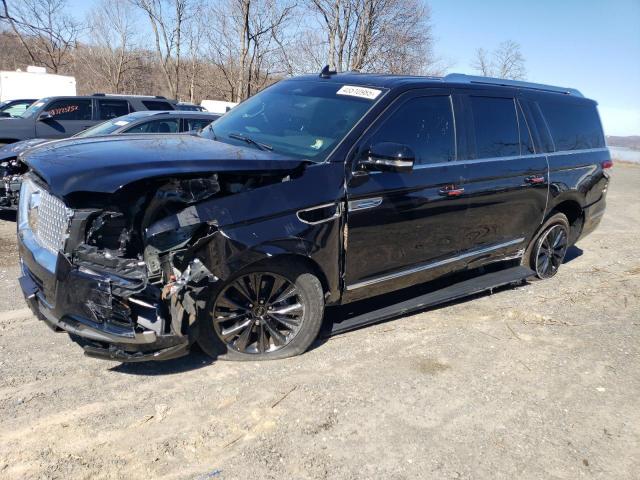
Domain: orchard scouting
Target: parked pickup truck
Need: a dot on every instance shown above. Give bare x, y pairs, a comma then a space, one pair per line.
318, 191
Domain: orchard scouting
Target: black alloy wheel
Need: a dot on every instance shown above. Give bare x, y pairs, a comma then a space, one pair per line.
258, 313
550, 250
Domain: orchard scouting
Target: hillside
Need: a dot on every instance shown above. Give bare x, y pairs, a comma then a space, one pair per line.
632, 141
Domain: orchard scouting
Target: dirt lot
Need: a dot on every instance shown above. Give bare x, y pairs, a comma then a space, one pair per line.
540, 381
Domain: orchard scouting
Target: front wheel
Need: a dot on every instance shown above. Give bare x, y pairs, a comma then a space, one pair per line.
263, 313
546, 252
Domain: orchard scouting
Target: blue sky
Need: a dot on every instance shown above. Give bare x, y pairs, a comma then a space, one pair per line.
591, 45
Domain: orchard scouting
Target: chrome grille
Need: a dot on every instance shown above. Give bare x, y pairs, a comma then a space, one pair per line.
48, 218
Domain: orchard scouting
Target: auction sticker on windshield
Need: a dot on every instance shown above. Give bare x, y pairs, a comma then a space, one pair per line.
361, 92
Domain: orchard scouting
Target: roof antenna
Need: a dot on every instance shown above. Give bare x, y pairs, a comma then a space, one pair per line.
326, 73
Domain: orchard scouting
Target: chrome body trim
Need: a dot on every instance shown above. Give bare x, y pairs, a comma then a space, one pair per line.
506, 159
337, 213
355, 205
431, 265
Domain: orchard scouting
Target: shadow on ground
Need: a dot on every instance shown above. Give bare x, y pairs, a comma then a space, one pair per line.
8, 215
198, 359
572, 253
195, 360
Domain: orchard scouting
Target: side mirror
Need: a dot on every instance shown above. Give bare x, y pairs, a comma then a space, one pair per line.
5, 114
44, 116
388, 157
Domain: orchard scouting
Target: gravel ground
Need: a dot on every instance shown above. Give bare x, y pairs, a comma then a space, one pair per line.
539, 381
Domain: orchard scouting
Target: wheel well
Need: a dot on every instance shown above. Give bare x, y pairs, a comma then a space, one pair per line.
304, 262
574, 213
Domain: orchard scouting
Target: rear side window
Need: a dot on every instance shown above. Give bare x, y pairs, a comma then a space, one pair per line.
71, 109
113, 108
191, 124
169, 125
496, 127
157, 105
426, 125
573, 125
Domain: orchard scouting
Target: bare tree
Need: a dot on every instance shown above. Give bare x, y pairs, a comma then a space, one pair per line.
168, 20
509, 61
246, 45
482, 63
46, 32
384, 35
506, 61
111, 55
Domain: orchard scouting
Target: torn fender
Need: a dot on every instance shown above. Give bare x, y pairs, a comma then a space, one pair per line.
263, 223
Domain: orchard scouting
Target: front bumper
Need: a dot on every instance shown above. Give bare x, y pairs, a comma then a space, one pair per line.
80, 302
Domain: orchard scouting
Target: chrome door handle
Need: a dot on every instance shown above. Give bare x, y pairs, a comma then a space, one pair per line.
534, 179
451, 191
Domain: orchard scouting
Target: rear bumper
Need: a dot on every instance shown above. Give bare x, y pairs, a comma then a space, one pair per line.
81, 303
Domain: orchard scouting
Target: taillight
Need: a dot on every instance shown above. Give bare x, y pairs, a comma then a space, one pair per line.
607, 164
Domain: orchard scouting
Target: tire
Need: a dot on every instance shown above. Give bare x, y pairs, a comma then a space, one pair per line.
547, 250
266, 335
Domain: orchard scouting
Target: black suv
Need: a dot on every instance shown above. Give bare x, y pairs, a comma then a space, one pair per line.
62, 117
317, 191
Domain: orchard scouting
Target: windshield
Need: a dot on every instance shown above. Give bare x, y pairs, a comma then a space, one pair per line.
295, 118
34, 108
106, 128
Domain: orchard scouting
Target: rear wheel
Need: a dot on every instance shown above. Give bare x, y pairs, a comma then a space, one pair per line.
263, 313
548, 249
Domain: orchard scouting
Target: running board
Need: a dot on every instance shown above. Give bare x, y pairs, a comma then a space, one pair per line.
447, 294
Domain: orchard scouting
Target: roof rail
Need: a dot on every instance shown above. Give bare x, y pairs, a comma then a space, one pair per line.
127, 95
463, 78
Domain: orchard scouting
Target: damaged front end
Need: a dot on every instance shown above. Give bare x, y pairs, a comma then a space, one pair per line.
10, 182
119, 294
128, 283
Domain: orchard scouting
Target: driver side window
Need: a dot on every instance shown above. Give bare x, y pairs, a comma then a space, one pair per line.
425, 124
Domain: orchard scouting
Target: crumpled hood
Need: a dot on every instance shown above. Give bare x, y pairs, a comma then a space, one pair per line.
105, 164
12, 150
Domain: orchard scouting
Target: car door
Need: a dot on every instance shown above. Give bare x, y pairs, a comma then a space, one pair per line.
505, 181
66, 117
404, 227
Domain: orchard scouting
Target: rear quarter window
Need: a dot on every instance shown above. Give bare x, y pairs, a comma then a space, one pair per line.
113, 108
157, 105
573, 125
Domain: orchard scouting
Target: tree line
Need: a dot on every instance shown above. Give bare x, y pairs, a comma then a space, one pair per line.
225, 49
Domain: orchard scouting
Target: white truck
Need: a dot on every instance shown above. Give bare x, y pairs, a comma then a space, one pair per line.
35, 83
217, 106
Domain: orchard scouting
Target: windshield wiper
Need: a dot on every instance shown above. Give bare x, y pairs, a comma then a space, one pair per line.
250, 141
